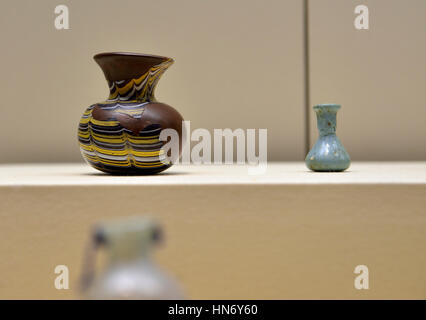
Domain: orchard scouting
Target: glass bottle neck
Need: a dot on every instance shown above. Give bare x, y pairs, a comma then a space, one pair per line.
326, 122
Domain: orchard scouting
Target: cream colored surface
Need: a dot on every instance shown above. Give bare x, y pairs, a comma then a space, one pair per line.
275, 173
378, 76
240, 239
239, 64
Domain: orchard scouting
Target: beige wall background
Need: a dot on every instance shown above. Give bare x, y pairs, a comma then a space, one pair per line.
239, 64
378, 75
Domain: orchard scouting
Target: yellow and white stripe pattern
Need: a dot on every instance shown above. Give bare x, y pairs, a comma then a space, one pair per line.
110, 147
142, 88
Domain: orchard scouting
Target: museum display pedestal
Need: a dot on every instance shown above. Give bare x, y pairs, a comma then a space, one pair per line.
288, 233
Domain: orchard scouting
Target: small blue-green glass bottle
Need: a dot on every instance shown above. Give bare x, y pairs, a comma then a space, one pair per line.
328, 153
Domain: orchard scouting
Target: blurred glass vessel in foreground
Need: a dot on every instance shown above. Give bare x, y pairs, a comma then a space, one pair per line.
130, 273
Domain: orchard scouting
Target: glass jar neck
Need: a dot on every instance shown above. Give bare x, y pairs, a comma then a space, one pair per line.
138, 86
139, 89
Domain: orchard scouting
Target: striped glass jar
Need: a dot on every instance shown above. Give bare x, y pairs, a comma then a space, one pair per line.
122, 134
